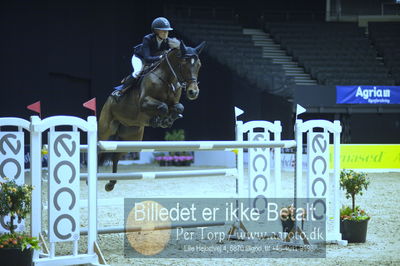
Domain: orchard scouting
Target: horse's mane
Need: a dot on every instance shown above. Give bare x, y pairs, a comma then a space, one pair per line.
172, 52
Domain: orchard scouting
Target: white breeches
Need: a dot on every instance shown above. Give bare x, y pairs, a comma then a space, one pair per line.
137, 66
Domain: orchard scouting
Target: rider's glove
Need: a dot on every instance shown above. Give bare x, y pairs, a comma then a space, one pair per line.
174, 43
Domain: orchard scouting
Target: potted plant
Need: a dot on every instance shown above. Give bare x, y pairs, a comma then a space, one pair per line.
163, 160
183, 159
175, 135
178, 158
15, 201
353, 220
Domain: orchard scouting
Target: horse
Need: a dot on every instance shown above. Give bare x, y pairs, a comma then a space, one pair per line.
155, 102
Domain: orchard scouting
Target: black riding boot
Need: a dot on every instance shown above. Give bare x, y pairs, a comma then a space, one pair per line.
128, 82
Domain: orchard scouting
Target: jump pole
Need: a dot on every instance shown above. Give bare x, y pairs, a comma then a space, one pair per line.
122, 229
163, 175
150, 146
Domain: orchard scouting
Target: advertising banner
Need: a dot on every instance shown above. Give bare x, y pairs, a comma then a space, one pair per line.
368, 94
369, 156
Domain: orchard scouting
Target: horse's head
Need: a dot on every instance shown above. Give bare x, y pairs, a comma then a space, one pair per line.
189, 68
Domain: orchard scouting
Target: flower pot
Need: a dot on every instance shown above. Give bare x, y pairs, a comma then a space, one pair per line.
16, 256
186, 163
176, 163
354, 231
182, 163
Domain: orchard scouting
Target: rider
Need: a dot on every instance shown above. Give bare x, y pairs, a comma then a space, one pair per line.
149, 51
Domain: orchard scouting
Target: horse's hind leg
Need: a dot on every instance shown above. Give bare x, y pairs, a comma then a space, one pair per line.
107, 125
124, 133
115, 159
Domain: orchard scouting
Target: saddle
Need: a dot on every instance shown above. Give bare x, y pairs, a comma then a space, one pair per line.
135, 83
129, 82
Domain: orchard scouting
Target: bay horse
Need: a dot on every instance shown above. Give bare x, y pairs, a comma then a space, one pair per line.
155, 103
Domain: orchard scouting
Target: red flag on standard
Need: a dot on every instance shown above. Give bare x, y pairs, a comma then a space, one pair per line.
34, 107
91, 104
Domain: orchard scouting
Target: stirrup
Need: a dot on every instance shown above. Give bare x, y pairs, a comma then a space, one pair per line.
116, 93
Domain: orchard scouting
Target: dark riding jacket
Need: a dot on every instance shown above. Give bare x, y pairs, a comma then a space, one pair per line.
149, 51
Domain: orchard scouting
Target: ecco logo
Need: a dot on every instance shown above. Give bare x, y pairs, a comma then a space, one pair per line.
259, 165
5, 141
11, 163
64, 169
319, 173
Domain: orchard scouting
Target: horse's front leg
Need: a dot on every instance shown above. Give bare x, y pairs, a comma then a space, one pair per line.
153, 107
156, 109
176, 110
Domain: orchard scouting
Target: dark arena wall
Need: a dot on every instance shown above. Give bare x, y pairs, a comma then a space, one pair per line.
64, 53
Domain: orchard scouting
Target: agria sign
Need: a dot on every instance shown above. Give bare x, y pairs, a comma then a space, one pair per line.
374, 95
368, 94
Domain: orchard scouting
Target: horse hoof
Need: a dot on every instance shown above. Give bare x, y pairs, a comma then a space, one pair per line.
163, 125
109, 187
162, 109
167, 124
155, 122
178, 108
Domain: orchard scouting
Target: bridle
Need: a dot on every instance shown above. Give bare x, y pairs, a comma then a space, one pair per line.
181, 83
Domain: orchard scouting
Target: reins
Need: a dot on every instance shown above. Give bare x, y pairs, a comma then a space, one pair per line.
179, 84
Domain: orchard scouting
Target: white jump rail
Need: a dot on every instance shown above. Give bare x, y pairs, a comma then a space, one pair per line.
318, 181
64, 150
259, 146
164, 174
150, 146
12, 163
122, 229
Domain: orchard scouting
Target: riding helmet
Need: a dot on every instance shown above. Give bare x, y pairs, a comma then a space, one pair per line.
161, 23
